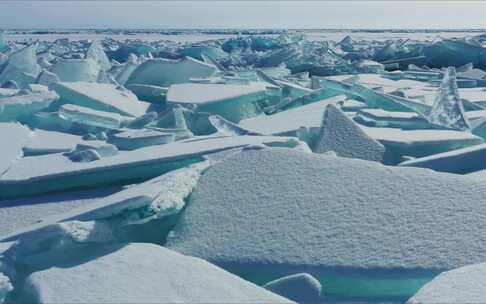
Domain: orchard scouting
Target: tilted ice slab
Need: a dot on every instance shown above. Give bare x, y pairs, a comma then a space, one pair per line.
347, 215
341, 134
419, 143
382, 118
56, 172
73, 70
290, 121
13, 137
143, 273
136, 139
163, 72
88, 116
448, 110
460, 161
462, 285
46, 142
102, 97
22, 106
22, 67
233, 102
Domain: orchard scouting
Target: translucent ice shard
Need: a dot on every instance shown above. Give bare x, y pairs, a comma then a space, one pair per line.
382, 118
340, 204
196, 52
21, 107
231, 101
102, 97
136, 139
465, 284
88, 116
128, 67
13, 137
163, 72
342, 135
22, 66
96, 52
186, 279
448, 110
300, 287
73, 70
227, 127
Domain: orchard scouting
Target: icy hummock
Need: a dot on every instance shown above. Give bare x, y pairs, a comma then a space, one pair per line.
148, 273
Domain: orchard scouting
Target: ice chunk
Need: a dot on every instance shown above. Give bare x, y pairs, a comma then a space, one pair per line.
128, 68
91, 150
96, 52
55, 172
448, 110
197, 52
102, 97
46, 142
382, 118
462, 285
5, 287
227, 127
231, 101
460, 161
143, 273
342, 135
136, 139
339, 205
88, 116
13, 137
150, 93
163, 73
22, 66
22, 106
73, 70
300, 287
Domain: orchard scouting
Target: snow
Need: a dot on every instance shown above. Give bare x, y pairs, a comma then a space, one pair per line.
55, 172
462, 285
163, 72
347, 214
13, 137
143, 273
342, 135
460, 161
46, 142
300, 287
102, 97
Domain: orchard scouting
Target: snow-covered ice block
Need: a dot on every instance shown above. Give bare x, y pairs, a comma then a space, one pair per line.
100, 96
459, 161
419, 143
300, 287
143, 273
348, 217
46, 142
73, 70
55, 172
22, 106
448, 110
13, 137
163, 72
95, 118
136, 139
341, 134
233, 102
382, 118
462, 285
22, 67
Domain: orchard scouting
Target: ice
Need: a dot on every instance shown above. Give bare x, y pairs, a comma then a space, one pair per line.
55, 172
88, 116
136, 139
46, 142
466, 284
163, 72
227, 127
127, 69
22, 66
101, 97
460, 161
231, 101
340, 134
150, 93
97, 53
73, 70
13, 137
382, 118
21, 107
300, 287
143, 273
5, 287
448, 110
335, 218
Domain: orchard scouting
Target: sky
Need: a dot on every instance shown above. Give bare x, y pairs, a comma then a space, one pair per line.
242, 14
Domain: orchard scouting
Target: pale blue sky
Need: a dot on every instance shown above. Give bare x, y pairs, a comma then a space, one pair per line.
254, 14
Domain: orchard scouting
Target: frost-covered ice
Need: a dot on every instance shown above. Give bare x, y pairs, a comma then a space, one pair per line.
466, 284
143, 273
